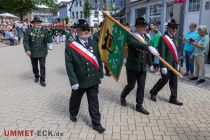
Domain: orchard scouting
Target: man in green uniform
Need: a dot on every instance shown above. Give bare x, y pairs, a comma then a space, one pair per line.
35, 45
49, 38
168, 51
84, 69
136, 65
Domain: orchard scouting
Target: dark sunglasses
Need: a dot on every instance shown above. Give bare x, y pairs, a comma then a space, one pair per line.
86, 29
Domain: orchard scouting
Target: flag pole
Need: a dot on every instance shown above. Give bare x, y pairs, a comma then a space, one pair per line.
126, 29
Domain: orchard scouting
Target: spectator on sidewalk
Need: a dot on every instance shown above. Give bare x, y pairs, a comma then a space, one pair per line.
201, 47
154, 42
188, 48
9, 36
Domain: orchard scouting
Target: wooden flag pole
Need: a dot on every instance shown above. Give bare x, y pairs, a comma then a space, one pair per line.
160, 58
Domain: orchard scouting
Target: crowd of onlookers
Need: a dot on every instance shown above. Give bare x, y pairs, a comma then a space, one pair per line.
12, 30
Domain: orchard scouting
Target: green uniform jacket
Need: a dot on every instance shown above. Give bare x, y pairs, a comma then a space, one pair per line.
69, 37
137, 55
96, 36
36, 42
80, 70
49, 36
165, 52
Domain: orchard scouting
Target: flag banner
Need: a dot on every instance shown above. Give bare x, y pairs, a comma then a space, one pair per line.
111, 45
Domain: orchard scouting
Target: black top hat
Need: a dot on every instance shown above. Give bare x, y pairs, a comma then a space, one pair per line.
36, 19
82, 23
172, 24
140, 21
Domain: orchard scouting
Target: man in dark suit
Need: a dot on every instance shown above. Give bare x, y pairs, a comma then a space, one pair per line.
168, 51
136, 65
35, 45
84, 69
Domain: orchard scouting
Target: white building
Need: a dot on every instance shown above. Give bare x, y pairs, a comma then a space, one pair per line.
76, 11
154, 11
197, 11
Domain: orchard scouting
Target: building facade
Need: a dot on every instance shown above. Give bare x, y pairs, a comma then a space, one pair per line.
197, 11
43, 13
159, 11
162, 10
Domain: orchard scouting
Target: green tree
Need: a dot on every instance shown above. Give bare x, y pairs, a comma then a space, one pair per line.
22, 7
66, 19
86, 9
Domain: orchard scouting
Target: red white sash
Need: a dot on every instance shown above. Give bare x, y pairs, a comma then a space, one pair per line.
85, 53
140, 37
172, 47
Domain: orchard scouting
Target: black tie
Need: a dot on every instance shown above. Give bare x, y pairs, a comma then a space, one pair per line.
86, 44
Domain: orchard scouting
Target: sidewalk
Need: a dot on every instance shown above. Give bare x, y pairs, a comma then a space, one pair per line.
25, 105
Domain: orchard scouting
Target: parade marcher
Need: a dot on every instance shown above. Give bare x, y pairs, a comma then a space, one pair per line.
71, 34
50, 39
96, 36
63, 35
85, 70
35, 45
168, 51
136, 65
57, 36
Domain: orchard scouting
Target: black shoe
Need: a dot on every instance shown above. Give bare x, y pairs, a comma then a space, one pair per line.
200, 81
73, 119
123, 102
36, 80
43, 84
194, 78
142, 110
108, 74
153, 98
176, 102
99, 128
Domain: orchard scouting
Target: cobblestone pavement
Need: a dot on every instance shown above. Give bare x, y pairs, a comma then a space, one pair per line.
25, 105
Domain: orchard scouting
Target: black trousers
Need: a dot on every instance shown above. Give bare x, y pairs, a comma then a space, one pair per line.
34, 62
132, 77
93, 104
172, 78
107, 70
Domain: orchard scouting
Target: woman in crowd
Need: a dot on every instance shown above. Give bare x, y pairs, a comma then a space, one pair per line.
154, 42
201, 46
188, 48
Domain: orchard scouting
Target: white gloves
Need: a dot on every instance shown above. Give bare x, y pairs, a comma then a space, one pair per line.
178, 67
75, 87
164, 71
153, 50
151, 68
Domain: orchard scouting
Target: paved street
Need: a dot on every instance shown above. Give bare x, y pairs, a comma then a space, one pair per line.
25, 105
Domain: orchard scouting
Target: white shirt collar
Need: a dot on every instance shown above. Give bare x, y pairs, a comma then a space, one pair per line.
171, 36
83, 41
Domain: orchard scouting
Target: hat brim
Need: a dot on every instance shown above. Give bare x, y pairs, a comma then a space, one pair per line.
36, 21
144, 24
175, 26
83, 27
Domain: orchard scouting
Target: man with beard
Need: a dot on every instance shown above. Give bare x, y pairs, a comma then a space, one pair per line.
84, 69
168, 51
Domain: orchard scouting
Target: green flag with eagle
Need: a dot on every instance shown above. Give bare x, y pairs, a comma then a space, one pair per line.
111, 45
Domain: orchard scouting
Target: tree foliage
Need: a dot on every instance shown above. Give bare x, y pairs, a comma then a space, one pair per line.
22, 7
86, 9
